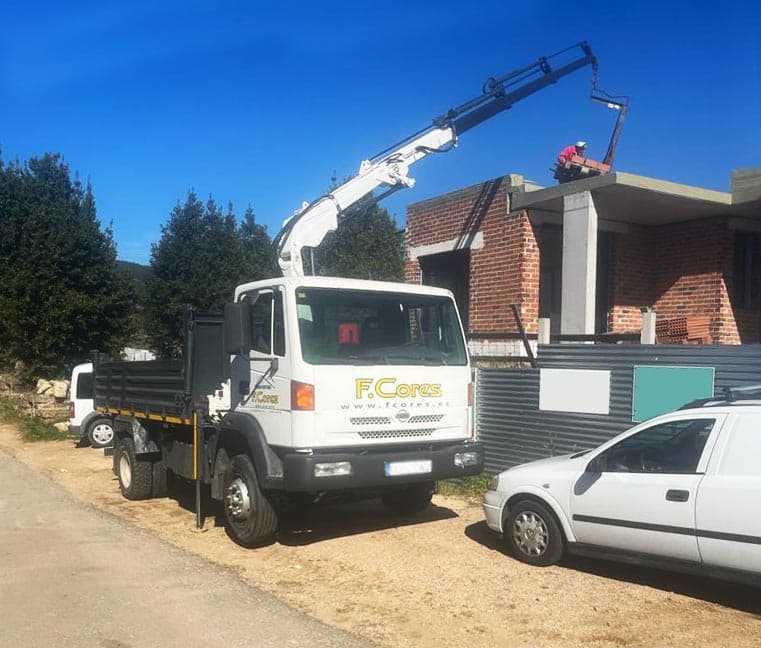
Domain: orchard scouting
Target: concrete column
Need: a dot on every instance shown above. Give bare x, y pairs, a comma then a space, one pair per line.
577, 313
544, 330
647, 334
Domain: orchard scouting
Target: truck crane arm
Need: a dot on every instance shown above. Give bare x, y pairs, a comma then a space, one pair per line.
390, 168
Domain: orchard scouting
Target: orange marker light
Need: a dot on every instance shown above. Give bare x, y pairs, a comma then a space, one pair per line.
470, 394
302, 396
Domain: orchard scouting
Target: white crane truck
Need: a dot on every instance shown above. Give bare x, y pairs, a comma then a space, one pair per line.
313, 386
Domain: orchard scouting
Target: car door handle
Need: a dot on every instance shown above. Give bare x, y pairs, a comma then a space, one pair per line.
675, 495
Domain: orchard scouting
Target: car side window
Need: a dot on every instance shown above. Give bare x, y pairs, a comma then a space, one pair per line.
672, 447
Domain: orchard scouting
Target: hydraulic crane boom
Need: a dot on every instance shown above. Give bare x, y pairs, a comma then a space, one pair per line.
389, 168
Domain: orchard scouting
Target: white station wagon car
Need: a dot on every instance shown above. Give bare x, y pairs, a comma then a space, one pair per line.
682, 490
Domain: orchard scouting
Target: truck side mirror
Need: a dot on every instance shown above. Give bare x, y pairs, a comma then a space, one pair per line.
238, 328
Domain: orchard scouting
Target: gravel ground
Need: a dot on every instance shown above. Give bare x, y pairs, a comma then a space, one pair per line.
440, 580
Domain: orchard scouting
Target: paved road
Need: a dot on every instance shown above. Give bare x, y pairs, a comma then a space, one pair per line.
72, 576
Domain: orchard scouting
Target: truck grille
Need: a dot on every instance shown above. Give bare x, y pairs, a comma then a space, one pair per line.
396, 434
426, 418
370, 420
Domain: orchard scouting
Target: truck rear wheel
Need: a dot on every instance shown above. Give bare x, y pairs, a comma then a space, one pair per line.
135, 477
410, 500
159, 485
250, 518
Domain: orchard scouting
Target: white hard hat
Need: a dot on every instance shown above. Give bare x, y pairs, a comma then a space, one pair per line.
581, 144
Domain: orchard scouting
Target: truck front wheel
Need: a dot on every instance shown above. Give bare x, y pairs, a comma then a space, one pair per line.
250, 518
135, 477
410, 500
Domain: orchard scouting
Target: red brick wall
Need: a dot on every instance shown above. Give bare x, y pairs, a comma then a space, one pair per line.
682, 269
503, 272
633, 279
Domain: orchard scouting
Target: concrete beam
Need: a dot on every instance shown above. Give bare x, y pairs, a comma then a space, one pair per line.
475, 242
577, 312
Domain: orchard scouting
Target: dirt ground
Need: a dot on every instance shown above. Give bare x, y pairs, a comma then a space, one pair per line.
441, 580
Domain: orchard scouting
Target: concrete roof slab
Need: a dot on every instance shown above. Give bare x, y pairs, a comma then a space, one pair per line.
630, 198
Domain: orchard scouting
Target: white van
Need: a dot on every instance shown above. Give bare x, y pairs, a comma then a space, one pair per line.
83, 419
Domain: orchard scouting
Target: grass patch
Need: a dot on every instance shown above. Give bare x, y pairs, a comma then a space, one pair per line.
32, 428
8, 411
471, 488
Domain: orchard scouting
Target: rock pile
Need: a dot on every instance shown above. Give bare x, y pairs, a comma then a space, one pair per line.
46, 401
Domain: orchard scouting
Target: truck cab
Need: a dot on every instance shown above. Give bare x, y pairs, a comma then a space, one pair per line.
355, 383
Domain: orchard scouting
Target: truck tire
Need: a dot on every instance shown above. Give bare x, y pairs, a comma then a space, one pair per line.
135, 476
533, 534
250, 518
100, 432
410, 500
159, 486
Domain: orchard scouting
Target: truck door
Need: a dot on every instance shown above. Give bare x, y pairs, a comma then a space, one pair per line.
728, 523
639, 494
263, 384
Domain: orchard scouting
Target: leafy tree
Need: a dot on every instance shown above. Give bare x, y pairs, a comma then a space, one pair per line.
201, 257
61, 294
256, 245
367, 245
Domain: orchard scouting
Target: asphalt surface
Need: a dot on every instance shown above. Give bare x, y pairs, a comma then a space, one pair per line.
72, 576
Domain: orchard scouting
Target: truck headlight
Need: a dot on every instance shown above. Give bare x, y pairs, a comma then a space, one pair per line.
332, 469
463, 459
494, 483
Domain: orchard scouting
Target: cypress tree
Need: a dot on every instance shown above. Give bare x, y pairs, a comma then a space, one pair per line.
61, 294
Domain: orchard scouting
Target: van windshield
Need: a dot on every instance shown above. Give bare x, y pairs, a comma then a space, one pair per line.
363, 327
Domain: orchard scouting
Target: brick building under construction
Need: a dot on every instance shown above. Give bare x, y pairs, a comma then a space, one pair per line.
591, 254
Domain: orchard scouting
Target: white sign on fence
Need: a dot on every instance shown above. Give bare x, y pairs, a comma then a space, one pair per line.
584, 391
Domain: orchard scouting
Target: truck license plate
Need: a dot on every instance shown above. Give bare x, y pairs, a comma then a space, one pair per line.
417, 467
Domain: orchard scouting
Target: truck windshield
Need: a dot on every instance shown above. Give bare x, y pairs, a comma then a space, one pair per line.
363, 327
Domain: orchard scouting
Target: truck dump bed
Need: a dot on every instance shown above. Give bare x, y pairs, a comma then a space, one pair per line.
167, 390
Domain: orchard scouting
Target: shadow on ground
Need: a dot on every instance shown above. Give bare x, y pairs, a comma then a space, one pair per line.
744, 598
306, 524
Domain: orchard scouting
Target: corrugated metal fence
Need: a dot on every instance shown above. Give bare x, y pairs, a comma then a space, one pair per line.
514, 430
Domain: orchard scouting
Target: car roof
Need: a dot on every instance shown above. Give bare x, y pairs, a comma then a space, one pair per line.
746, 396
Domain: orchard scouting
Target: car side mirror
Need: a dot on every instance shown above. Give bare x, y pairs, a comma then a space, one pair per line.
237, 328
597, 465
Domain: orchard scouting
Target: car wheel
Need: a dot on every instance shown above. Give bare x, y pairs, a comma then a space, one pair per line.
250, 518
100, 432
533, 534
410, 500
135, 477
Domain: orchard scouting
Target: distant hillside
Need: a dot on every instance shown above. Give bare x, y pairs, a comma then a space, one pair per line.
140, 273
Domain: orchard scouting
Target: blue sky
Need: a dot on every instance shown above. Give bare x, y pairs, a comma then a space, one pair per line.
263, 104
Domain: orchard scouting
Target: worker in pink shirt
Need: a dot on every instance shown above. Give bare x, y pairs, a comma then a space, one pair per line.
569, 151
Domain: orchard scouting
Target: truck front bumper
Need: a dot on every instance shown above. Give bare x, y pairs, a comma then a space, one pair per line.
381, 469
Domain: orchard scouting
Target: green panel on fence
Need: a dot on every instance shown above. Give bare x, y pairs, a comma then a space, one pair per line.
658, 390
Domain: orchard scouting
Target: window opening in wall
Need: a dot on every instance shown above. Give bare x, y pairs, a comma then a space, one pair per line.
450, 270
550, 241
743, 286
604, 289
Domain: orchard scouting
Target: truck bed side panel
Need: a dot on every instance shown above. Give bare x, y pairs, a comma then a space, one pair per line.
154, 388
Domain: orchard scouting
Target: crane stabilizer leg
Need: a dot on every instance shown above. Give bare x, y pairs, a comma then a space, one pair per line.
390, 168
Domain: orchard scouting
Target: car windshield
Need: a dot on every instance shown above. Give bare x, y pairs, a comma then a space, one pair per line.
363, 327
